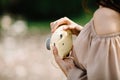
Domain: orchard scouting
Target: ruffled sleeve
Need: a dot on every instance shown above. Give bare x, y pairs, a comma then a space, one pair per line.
97, 56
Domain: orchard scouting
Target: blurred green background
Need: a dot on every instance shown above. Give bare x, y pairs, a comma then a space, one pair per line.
42, 11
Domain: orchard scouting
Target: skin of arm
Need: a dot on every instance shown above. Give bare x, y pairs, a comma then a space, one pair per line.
106, 21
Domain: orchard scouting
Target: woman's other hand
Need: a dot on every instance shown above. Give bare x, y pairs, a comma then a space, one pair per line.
74, 27
65, 64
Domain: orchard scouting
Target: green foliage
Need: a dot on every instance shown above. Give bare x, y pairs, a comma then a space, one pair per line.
50, 8
44, 9
4, 3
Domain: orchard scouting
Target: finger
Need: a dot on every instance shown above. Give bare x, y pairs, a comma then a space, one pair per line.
55, 51
62, 21
66, 28
57, 57
70, 27
78, 27
52, 24
68, 19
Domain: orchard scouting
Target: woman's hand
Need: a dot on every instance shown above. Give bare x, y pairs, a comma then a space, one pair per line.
74, 27
65, 64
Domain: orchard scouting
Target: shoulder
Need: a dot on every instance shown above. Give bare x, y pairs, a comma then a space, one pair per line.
106, 21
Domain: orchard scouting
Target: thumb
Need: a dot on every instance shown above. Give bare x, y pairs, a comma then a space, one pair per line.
55, 51
56, 56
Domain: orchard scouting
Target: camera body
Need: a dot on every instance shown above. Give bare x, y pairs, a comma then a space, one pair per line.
62, 40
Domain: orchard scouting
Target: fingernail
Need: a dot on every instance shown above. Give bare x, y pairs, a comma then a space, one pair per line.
51, 23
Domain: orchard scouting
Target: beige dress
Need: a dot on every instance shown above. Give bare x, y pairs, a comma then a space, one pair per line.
96, 57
